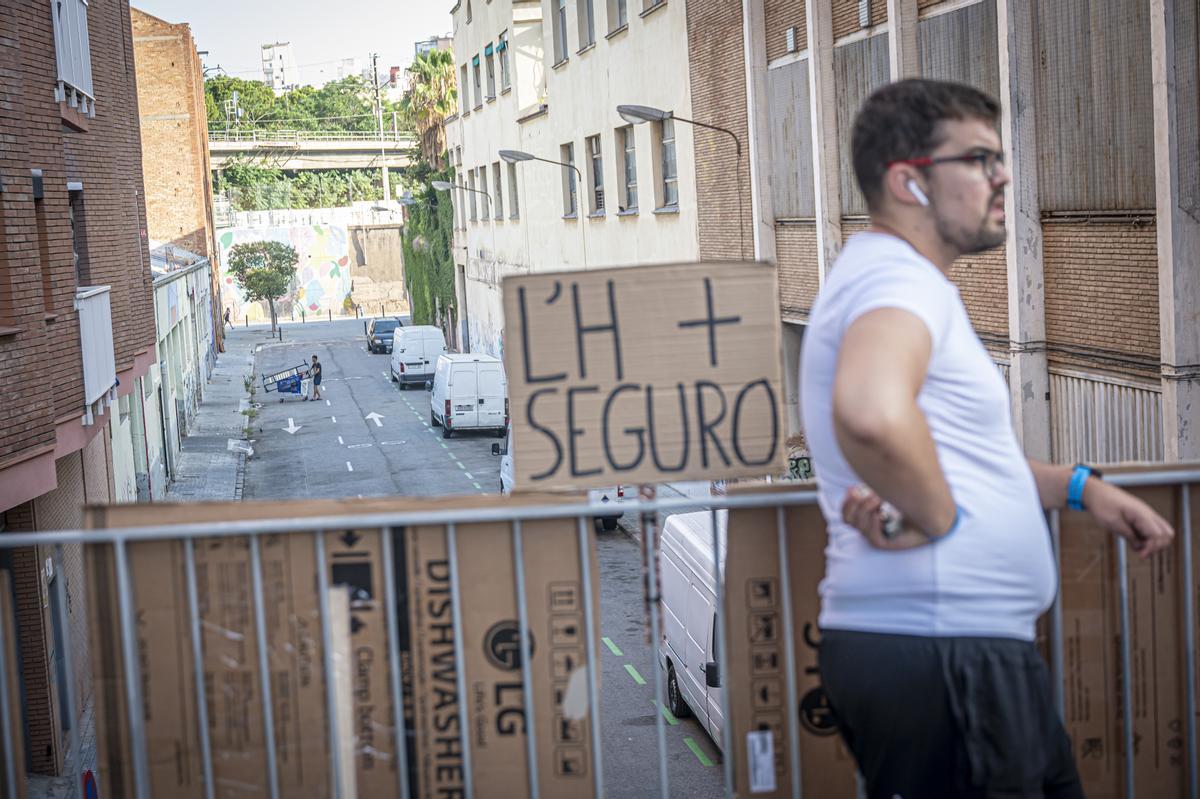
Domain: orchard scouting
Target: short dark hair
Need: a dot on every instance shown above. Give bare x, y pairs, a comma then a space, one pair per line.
900, 121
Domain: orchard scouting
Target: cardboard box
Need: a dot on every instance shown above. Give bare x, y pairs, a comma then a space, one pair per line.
610, 384
757, 676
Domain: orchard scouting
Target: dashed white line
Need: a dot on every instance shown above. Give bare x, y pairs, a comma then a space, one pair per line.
359, 446
327, 402
334, 418
470, 476
464, 468
349, 466
340, 440
477, 486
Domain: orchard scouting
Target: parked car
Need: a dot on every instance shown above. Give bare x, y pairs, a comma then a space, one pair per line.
415, 351
379, 333
613, 496
688, 650
469, 392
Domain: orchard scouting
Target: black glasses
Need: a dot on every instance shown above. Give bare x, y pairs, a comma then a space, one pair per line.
989, 161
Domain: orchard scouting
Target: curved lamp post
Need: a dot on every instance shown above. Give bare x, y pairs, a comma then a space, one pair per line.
637, 114
517, 156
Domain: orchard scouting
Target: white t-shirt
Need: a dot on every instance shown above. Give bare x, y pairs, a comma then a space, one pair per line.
995, 573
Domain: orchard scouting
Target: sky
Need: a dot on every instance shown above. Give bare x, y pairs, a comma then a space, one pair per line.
321, 31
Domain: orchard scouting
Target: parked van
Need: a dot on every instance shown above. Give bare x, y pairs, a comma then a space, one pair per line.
415, 351
613, 497
469, 392
688, 650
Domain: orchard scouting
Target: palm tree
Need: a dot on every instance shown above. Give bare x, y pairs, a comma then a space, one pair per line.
430, 98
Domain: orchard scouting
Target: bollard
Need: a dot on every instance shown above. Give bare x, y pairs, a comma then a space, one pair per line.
330, 314
303, 319
246, 320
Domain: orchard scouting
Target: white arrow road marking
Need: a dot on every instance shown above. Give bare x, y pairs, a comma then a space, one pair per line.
327, 402
292, 427
340, 440
349, 466
390, 443
359, 446
334, 418
374, 417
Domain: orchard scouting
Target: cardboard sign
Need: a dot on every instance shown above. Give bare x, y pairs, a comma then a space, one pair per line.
644, 375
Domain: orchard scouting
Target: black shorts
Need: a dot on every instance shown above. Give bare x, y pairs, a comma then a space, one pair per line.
947, 717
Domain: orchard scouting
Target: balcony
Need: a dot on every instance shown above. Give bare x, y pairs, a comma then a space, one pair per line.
96, 347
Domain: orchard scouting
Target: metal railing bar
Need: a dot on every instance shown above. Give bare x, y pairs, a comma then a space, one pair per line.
722, 657
1056, 621
393, 623
402, 519
331, 705
6, 710
1189, 639
64, 621
264, 670
193, 600
789, 655
589, 627
1126, 677
460, 675
650, 532
526, 658
133, 675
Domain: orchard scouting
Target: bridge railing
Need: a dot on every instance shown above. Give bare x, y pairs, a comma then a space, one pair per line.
251, 136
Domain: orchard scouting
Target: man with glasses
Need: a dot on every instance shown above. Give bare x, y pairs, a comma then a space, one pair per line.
939, 559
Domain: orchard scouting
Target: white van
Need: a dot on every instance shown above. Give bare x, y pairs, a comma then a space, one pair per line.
688, 650
613, 497
415, 351
469, 392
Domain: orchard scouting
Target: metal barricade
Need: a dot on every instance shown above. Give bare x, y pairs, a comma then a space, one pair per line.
516, 516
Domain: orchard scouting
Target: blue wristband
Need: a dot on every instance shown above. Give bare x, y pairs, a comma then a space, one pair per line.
1079, 476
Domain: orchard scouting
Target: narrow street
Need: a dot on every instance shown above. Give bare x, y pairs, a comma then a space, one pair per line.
337, 448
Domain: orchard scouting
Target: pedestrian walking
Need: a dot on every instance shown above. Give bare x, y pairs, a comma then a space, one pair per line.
314, 374
939, 558
227, 321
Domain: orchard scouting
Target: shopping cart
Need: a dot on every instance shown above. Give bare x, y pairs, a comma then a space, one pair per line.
289, 381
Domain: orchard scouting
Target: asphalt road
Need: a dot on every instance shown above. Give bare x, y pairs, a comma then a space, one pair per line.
336, 449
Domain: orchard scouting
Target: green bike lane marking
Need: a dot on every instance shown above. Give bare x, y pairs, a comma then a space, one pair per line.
637, 678
698, 752
667, 714
612, 647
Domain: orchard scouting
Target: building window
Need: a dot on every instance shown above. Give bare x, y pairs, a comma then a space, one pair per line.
478, 82
491, 72
559, 23
74, 55
485, 200
595, 176
587, 23
627, 154
79, 251
496, 190
464, 92
514, 210
471, 191
502, 48
650, 4
669, 188
570, 185
618, 15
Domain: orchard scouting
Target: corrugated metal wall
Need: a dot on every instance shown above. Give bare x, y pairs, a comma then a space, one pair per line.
791, 141
1096, 419
961, 46
1094, 106
859, 69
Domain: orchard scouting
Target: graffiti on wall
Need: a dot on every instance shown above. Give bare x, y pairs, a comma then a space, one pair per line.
322, 274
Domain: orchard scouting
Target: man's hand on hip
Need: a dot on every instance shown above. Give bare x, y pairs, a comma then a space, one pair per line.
1125, 515
864, 510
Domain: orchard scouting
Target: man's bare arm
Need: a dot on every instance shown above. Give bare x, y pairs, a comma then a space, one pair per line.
879, 427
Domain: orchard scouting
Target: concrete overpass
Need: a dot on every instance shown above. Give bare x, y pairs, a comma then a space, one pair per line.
305, 149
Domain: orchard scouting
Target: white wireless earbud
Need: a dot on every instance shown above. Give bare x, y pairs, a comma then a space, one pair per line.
916, 191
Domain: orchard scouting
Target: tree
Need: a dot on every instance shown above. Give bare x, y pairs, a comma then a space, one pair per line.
263, 270
431, 98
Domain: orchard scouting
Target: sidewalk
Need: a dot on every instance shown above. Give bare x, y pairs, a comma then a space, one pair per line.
212, 465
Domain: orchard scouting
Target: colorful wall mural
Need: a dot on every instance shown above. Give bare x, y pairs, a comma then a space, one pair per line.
322, 275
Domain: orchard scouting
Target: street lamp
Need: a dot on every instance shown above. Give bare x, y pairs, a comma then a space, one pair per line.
637, 114
517, 156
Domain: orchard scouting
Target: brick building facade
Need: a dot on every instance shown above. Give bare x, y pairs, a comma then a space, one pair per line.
174, 123
73, 253
1094, 321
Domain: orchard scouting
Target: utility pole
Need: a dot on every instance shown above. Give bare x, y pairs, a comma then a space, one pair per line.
387, 188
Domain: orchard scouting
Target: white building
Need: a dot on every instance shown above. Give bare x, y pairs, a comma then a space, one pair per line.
546, 78
279, 67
